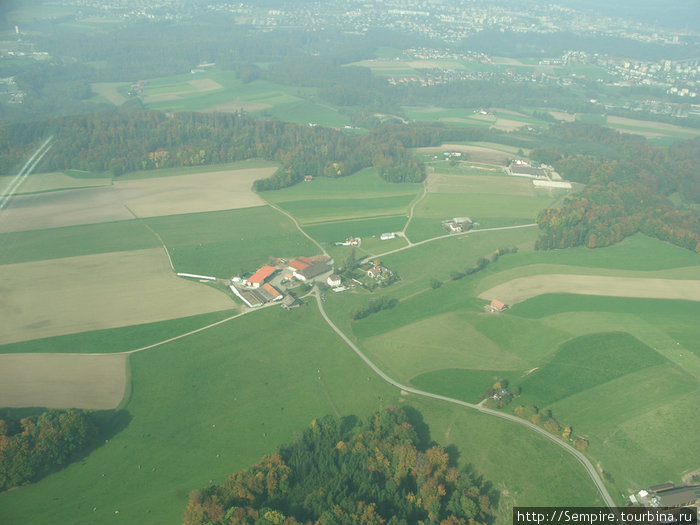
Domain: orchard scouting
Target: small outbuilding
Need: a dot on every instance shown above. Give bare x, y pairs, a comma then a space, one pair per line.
497, 306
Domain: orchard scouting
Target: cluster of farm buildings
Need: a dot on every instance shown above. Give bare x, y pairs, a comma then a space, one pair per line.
542, 175
266, 285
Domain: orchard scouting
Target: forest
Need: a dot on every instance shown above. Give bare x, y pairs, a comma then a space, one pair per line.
34, 446
344, 472
628, 185
126, 141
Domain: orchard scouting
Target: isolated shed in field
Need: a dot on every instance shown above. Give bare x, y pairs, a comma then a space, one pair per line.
498, 305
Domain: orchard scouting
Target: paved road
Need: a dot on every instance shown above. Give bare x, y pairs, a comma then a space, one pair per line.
447, 236
568, 448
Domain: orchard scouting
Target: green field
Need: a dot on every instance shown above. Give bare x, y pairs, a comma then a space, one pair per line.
459, 383
365, 183
331, 232
230, 242
585, 362
218, 90
489, 210
116, 339
70, 241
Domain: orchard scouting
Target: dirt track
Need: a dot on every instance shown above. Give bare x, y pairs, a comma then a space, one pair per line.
522, 288
62, 380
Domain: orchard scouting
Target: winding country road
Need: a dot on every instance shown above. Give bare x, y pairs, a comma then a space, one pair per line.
568, 448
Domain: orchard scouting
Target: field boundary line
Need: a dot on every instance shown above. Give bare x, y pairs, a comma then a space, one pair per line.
296, 223
583, 460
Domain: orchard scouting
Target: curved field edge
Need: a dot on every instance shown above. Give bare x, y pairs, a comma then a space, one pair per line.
522, 288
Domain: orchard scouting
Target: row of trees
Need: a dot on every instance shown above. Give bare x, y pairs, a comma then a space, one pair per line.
545, 420
33, 446
374, 306
370, 473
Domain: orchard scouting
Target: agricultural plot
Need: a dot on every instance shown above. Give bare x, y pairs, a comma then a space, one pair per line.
339, 231
197, 192
232, 242
75, 294
480, 184
63, 208
651, 129
126, 199
472, 153
41, 182
489, 210
109, 91
247, 366
435, 343
325, 200
71, 241
518, 290
96, 382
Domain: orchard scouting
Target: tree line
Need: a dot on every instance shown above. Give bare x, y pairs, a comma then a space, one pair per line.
32, 447
126, 141
339, 472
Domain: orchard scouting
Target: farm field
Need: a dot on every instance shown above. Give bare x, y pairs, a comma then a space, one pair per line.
518, 290
230, 242
239, 365
220, 91
71, 241
75, 294
483, 154
108, 91
322, 200
41, 182
96, 382
126, 199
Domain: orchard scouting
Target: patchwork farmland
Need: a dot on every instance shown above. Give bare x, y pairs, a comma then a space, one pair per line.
108, 282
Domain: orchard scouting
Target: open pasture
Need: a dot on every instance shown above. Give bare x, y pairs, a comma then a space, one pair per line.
227, 396
339, 231
651, 129
522, 288
309, 211
109, 91
96, 382
113, 340
363, 184
248, 367
478, 154
231, 242
173, 91
585, 362
638, 256
76, 294
480, 184
459, 383
70, 241
489, 210
443, 341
